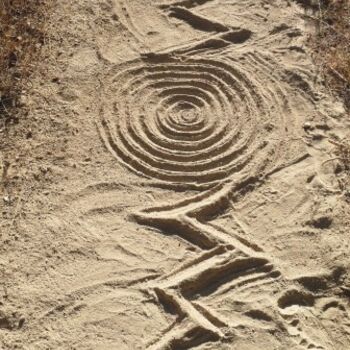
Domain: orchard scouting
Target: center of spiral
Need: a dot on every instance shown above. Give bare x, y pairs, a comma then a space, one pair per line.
186, 114
189, 116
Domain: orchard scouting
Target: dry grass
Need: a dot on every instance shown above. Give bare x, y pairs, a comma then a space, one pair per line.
332, 48
22, 24
332, 45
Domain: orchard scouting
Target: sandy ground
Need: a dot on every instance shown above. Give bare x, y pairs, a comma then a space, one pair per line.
175, 185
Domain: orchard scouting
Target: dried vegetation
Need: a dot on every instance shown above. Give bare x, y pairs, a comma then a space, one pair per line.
22, 33
332, 48
333, 45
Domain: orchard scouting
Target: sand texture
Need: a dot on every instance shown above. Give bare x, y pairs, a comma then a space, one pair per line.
185, 195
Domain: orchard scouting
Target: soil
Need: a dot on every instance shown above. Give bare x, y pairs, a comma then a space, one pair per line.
174, 186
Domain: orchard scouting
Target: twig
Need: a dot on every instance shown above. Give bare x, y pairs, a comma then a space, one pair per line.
320, 16
331, 160
340, 76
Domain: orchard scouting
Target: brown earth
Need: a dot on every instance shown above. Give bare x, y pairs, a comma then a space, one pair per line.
173, 185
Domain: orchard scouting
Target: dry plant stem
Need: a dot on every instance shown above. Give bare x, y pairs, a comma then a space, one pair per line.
320, 17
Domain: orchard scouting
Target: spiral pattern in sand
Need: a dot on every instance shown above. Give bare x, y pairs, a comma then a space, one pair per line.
196, 120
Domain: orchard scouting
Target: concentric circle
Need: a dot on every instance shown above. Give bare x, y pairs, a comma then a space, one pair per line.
196, 120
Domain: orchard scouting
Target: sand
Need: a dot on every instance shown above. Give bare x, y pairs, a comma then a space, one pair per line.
178, 185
